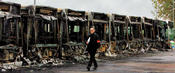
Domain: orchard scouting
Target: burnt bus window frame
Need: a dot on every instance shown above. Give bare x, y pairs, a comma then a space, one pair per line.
76, 36
119, 21
160, 31
101, 26
41, 37
148, 28
156, 30
43, 30
10, 25
132, 31
134, 28
74, 18
100, 21
148, 31
119, 31
10, 30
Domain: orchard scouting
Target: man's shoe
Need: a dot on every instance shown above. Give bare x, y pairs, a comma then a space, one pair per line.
88, 68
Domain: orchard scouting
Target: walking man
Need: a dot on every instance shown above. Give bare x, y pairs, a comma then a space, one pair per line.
93, 43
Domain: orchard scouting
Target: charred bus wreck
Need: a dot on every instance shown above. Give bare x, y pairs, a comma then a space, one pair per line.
10, 37
119, 32
40, 32
100, 22
135, 33
160, 34
74, 24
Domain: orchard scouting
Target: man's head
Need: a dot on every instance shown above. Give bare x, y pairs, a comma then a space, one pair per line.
92, 30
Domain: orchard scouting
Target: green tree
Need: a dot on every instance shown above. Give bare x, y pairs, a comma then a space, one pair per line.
164, 9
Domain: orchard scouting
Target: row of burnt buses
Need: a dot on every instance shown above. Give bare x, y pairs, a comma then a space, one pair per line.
46, 32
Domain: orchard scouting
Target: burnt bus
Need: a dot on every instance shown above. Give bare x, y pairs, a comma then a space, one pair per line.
135, 34
100, 21
40, 32
74, 27
10, 37
160, 33
119, 32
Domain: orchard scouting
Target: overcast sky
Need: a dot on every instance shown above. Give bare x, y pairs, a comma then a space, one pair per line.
123, 7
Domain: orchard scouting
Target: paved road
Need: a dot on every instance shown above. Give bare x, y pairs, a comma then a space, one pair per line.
156, 64
163, 63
